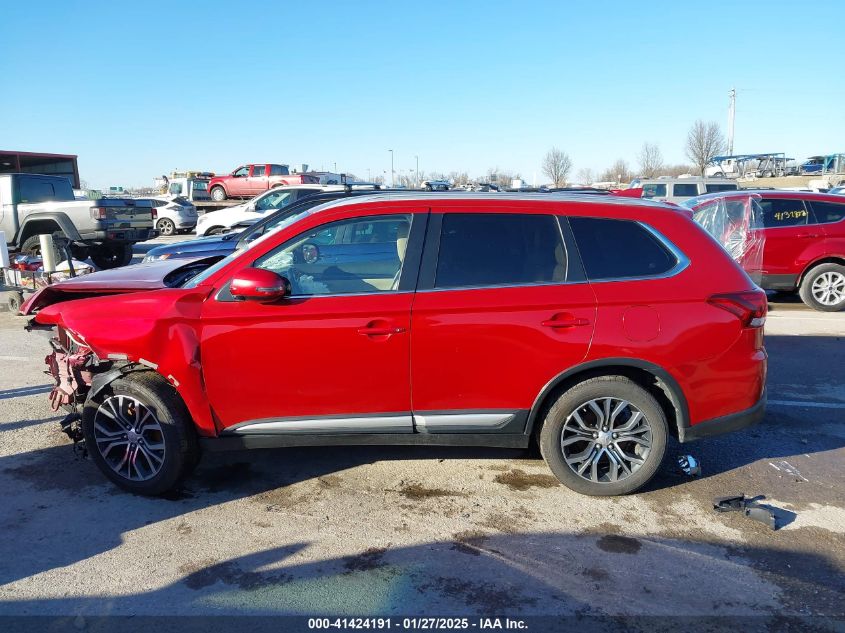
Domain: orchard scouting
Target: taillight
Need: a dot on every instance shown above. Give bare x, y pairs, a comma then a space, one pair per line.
749, 307
155, 213
98, 213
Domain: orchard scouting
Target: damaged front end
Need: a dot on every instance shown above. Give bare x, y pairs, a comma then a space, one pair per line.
72, 365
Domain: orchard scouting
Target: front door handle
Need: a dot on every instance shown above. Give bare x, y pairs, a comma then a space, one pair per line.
380, 331
564, 322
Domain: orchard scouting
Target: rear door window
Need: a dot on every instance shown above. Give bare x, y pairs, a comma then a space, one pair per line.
783, 212
278, 170
619, 249
654, 191
685, 190
496, 249
258, 171
825, 212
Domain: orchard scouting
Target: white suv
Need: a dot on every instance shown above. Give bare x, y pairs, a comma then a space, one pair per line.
680, 189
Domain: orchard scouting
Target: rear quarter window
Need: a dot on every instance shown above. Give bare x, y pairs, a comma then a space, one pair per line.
828, 211
619, 249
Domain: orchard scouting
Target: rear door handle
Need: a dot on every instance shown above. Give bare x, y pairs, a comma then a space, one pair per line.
564, 322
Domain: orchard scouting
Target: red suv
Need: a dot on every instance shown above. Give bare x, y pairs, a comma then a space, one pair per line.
597, 327
787, 240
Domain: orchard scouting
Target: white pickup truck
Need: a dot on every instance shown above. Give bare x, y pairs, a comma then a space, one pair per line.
104, 229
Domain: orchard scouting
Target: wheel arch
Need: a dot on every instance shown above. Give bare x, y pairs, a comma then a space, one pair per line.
36, 223
653, 378
827, 259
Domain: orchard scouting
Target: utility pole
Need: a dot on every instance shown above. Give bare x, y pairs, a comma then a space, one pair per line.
392, 177
417, 177
731, 117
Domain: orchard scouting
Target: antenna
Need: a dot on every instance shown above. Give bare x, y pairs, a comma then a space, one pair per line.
731, 117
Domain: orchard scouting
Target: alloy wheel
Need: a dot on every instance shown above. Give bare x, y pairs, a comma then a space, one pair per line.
129, 438
829, 288
166, 226
606, 440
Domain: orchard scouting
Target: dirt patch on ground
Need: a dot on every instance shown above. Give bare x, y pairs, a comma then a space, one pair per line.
329, 481
371, 558
616, 544
418, 491
517, 479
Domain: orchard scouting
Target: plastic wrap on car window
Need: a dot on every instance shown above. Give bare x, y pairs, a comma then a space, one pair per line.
736, 222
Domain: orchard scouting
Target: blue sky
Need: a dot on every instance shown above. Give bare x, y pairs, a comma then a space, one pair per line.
137, 89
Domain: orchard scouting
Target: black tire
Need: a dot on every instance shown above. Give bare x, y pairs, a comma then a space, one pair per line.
177, 433
218, 194
575, 399
79, 252
214, 230
107, 256
14, 301
429, 188
166, 227
819, 275
32, 246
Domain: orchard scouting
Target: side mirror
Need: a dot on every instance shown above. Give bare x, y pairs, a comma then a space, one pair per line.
257, 284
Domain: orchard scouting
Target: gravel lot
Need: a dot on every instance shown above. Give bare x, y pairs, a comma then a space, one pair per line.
424, 531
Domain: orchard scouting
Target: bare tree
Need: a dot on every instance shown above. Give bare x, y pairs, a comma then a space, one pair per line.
677, 170
617, 172
704, 141
557, 165
585, 176
650, 160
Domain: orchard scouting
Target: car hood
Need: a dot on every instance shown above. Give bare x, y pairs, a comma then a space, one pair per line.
137, 278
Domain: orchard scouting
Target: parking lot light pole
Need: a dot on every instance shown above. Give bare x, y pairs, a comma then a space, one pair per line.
392, 178
417, 177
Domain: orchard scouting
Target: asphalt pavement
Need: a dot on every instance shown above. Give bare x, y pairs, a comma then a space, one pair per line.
432, 531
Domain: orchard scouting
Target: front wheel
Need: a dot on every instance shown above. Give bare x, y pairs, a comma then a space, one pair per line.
218, 194
140, 435
823, 288
107, 255
604, 436
32, 246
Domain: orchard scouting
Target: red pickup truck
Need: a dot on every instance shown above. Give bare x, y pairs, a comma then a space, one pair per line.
250, 180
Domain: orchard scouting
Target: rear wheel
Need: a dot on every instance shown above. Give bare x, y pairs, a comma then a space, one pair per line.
823, 288
166, 227
604, 436
140, 435
111, 255
32, 246
218, 194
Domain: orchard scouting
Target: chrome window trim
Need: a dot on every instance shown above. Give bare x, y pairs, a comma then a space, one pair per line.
514, 285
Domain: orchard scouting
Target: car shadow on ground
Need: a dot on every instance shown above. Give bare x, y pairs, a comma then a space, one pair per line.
475, 574
52, 495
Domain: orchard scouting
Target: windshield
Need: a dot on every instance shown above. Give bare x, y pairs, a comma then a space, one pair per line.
242, 247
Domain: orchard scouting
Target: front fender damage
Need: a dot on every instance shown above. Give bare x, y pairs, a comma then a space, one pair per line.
126, 334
